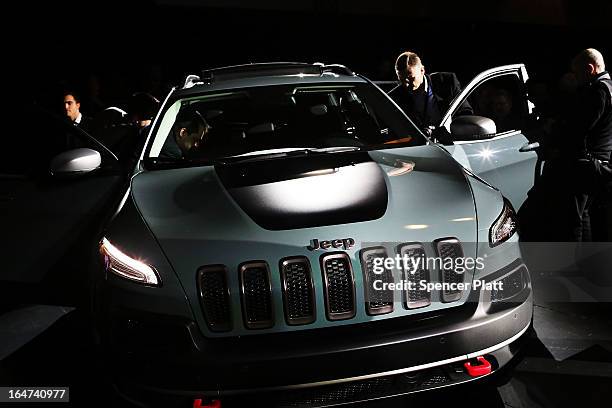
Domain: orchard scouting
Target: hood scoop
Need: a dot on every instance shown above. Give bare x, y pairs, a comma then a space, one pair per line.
302, 192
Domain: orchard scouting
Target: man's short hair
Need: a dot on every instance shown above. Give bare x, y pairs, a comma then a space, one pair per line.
76, 95
190, 119
407, 58
503, 93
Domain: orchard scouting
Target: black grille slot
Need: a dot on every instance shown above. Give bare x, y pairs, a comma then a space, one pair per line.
433, 378
298, 291
417, 272
214, 297
339, 286
339, 393
450, 248
377, 301
256, 295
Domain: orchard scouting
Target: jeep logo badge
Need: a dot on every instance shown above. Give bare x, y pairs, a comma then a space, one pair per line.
345, 243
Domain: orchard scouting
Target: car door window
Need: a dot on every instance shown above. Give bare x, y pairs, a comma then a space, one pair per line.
498, 157
501, 99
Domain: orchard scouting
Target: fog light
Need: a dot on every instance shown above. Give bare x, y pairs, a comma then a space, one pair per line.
511, 285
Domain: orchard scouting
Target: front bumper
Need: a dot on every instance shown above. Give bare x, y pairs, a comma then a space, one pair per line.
167, 355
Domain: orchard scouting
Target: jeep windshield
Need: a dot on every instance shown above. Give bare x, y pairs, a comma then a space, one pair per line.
279, 121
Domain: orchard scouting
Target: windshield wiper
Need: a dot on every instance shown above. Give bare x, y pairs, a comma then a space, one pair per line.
170, 162
279, 153
336, 149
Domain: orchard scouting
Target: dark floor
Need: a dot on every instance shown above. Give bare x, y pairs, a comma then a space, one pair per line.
566, 361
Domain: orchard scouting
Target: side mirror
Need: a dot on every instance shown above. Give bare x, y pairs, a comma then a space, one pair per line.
76, 161
472, 127
530, 147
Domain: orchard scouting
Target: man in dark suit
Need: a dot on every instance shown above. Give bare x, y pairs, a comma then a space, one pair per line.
188, 135
72, 108
577, 172
424, 98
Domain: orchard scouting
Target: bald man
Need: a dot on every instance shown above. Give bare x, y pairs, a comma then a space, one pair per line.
576, 175
590, 128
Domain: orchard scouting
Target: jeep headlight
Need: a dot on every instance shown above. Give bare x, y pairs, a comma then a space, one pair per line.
504, 227
126, 267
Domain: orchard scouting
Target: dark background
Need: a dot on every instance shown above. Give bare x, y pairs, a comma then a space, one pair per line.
148, 45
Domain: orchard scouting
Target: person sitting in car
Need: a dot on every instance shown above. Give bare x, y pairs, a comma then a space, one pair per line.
188, 133
502, 112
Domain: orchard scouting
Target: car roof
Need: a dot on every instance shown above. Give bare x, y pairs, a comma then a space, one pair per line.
266, 74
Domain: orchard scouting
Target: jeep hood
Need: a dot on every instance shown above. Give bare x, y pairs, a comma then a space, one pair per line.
206, 215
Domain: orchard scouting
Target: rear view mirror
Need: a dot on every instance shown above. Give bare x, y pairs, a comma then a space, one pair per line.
76, 161
213, 113
265, 127
472, 127
318, 110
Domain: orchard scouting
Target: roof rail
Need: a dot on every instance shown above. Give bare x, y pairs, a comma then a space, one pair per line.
260, 69
263, 69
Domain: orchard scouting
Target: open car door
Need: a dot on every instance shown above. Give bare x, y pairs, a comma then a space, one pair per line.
492, 142
57, 187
